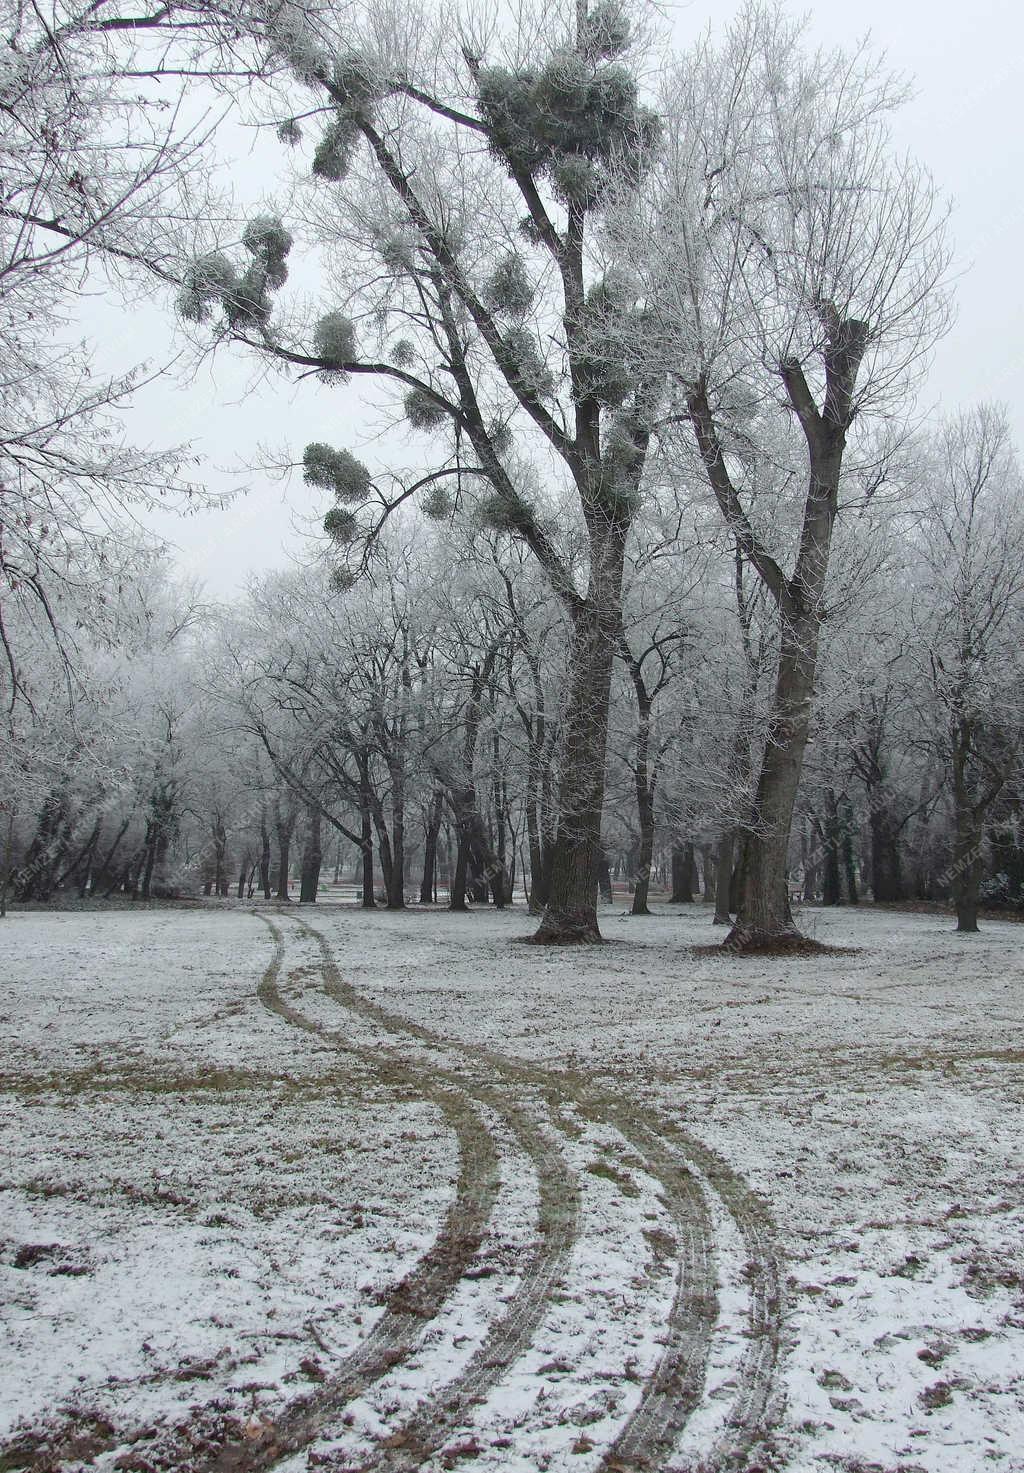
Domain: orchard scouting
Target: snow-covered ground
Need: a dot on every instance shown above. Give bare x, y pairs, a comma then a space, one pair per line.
325, 1189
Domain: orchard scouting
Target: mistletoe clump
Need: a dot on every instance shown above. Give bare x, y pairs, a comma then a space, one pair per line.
207, 281
336, 470
509, 290
503, 513
334, 338
604, 33
212, 280
423, 411
610, 322
529, 365
332, 157
576, 119
355, 88
341, 526
437, 504
355, 85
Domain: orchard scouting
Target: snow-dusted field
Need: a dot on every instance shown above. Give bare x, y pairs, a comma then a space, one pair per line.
315, 1188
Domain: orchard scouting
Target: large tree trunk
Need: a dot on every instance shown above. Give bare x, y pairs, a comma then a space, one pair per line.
284, 825
831, 887
396, 879
765, 916
366, 834
570, 915
681, 871
265, 856
723, 877
312, 856
886, 862
708, 876
645, 857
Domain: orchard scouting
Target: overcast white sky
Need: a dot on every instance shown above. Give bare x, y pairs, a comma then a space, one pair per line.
967, 63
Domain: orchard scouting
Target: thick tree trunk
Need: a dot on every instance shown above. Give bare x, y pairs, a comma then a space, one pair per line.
765, 916
312, 856
284, 826
723, 878
682, 874
886, 862
570, 914
846, 851
366, 836
460, 875
831, 888
708, 875
645, 857
396, 878
265, 856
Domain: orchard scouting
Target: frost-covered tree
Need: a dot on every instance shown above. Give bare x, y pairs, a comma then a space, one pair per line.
463, 162
797, 268
968, 626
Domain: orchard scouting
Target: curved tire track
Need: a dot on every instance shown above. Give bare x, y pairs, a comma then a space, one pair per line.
670, 1154
434, 1278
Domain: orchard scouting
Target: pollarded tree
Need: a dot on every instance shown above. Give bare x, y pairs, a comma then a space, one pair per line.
462, 169
798, 270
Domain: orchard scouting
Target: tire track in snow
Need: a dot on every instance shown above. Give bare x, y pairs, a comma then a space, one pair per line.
686, 1168
424, 1289
395, 1335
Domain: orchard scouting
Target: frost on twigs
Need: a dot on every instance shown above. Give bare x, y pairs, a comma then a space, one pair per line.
336, 470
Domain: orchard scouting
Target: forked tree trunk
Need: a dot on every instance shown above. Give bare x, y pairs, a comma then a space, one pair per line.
765, 917
570, 915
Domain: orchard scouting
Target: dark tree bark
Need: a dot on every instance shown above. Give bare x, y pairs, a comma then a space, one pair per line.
433, 828
265, 855
284, 824
765, 917
570, 913
366, 832
312, 855
723, 877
